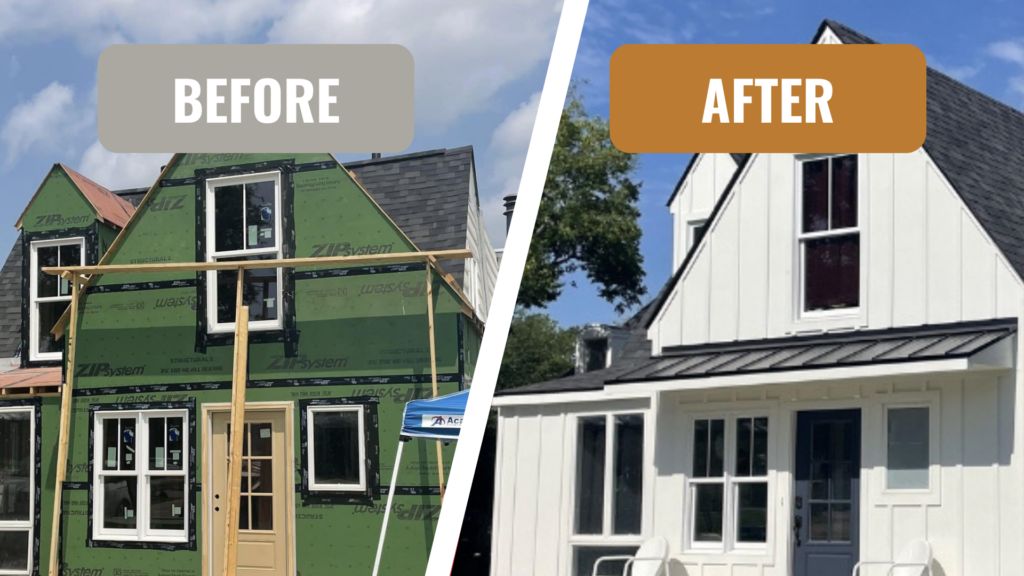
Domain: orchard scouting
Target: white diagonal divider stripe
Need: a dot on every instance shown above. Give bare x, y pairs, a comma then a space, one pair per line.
499, 318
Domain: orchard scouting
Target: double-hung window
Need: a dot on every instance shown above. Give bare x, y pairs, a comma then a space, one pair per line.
50, 295
17, 489
141, 476
243, 222
728, 483
829, 236
337, 448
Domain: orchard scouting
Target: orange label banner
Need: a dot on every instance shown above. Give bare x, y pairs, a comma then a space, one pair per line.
768, 98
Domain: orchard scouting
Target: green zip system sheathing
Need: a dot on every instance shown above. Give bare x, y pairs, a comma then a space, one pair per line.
357, 333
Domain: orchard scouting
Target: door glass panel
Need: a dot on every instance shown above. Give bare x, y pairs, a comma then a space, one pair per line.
243, 514
16, 465
840, 523
261, 476
262, 512
262, 439
14, 550
819, 523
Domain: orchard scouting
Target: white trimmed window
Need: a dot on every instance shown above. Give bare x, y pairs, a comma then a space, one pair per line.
728, 483
609, 475
908, 450
17, 489
829, 237
243, 222
50, 295
140, 476
337, 448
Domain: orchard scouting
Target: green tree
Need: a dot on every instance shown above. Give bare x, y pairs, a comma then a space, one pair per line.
538, 349
588, 216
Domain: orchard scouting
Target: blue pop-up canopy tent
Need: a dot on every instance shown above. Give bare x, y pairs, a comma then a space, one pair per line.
438, 418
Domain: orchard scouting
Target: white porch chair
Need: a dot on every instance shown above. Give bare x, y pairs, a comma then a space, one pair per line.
914, 560
650, 560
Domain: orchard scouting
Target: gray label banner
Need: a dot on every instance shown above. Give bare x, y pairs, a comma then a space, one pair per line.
256, 98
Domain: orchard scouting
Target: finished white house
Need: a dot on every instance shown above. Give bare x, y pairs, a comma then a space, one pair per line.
832, 372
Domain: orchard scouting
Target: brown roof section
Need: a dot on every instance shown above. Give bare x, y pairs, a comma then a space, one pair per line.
30, 378
109, 206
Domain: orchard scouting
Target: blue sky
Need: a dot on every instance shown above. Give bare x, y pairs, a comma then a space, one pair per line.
979, 42
480, 68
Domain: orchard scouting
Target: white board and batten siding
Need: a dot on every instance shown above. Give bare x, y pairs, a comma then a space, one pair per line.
924, 258
971, 514
696, 197
534, 502
481, 272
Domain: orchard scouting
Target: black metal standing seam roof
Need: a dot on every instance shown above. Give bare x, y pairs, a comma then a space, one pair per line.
837, 350
426, 194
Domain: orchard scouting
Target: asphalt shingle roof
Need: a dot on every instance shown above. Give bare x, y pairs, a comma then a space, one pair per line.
426, 194
10, 303
977, 143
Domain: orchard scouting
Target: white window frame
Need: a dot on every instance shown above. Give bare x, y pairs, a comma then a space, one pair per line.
26, 526
607, 536
142, 531
930, 496
803, 237
35, 300
314, 486
691, 231
212, 255
730, 487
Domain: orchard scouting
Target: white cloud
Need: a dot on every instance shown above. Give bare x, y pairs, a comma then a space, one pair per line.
962, 73
1009, 50
49, 122
508, 148
96, 24
465, 51
116, 171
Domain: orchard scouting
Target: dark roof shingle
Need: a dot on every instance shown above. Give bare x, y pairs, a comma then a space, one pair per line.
426, 194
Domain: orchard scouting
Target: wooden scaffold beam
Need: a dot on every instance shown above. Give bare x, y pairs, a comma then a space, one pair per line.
433, 370
239, 378
65, 428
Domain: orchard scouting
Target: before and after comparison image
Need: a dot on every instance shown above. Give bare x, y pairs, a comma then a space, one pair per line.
512, 288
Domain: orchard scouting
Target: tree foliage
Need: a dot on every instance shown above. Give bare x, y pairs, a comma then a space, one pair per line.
538, 349
588, 217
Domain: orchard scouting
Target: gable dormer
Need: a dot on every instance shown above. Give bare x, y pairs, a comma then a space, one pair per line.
702, 183
70, 220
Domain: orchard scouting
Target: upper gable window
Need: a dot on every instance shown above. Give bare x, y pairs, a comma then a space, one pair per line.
243, 222
50, 295
829, 236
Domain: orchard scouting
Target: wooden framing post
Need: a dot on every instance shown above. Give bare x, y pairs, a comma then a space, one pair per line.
238, 380
65, 428
433, 371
